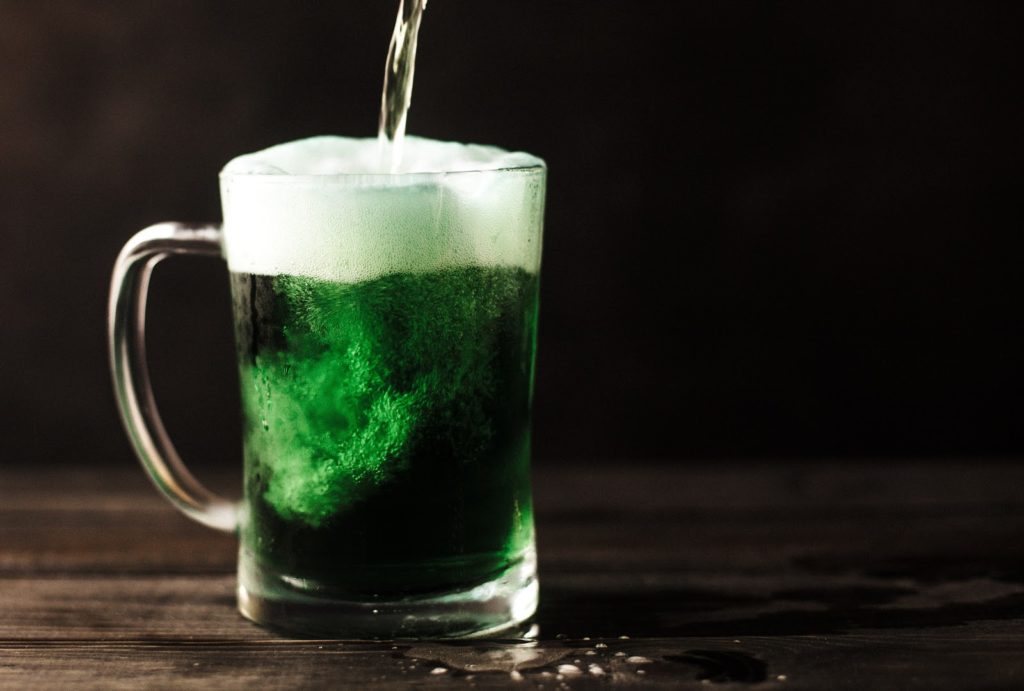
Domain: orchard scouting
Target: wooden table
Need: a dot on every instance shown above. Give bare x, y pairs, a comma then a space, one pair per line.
787, 575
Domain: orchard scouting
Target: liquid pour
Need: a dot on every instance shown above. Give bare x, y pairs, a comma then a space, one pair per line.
398, 77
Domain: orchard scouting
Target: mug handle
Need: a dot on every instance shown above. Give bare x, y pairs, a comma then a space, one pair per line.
126, 325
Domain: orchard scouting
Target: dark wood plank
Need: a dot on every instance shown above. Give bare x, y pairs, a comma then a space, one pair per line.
875, 660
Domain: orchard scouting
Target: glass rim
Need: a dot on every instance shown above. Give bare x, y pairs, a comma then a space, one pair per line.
410, 176
538, 167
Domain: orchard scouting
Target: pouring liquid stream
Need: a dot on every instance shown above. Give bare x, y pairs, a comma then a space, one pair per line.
398, 78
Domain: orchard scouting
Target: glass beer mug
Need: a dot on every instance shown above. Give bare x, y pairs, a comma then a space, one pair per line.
385, 326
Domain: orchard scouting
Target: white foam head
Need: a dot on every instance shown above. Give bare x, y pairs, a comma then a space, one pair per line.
321, 207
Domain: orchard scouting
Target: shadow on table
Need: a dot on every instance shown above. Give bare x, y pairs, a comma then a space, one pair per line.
891, 594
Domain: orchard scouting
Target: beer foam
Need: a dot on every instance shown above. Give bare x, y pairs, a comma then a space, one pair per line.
323, 208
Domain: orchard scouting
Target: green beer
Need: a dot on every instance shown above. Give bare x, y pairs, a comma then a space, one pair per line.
386, 326
387, 428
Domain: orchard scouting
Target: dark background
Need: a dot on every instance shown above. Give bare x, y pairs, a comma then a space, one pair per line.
773, 228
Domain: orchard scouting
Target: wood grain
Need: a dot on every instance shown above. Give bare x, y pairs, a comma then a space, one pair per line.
785, 575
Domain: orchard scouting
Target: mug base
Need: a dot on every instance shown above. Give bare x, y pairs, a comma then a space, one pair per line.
500, 607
